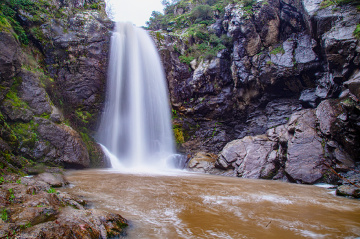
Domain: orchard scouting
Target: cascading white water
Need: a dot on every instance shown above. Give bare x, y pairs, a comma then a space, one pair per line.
135, 127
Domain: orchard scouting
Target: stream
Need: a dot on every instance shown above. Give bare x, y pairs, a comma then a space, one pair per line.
188, 205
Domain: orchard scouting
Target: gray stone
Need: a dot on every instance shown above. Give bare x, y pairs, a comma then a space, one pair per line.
34, 94
284, 59
327, 113
202, 162
16, 112
252, 157
304, 51
353, 84
348, 190
308, 97
53, 179
305, 154
65, 140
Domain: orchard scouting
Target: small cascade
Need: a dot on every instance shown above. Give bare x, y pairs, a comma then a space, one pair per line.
135, 127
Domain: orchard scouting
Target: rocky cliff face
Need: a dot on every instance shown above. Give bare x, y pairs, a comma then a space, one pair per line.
285, 89
53, 59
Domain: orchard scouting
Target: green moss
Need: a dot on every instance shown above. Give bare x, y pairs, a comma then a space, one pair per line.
328, 3
4, 24
4, 215
35, 11
84, 116
95, 6
51, 190
179, 134
95, 152
15, 100
357, 31
159, 36
26, 133
278, 50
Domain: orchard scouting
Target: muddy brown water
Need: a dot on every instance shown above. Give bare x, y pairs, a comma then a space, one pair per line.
189, 205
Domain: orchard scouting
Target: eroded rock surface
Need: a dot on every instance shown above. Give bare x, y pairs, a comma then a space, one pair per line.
32, 209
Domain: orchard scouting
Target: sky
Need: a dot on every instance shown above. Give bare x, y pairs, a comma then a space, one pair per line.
135, 11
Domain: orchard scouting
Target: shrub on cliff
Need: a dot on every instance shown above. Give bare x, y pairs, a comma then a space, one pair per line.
201, 13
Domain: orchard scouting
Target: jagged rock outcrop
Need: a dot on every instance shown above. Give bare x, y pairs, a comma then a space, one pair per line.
291, 68
52, 74
303, 150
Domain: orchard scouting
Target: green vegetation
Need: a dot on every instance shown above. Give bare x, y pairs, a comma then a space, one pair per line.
12, 196
278, 50
95, 152
84, 116
16, 102
27, 225
26, 133
328, 3
4, 216
51, 190
185, 13
189, 20
357, 31
179, 134
13, 13
215, 131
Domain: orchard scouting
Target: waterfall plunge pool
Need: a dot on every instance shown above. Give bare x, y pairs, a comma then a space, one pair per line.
188, 205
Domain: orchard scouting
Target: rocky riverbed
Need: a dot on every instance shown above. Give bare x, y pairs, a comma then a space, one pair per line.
31, 207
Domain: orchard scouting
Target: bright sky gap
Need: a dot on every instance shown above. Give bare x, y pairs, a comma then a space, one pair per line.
135, 11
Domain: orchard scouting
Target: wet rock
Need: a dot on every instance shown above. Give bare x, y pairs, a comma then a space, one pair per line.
267, 24
305, 153
33, 94
251, 157
344, 161
53, 179
308, 98
304, 52
339, 42
67, 141
202, 162
16, 113
327, 113
78, 223
326, 86
34, 211
10, 60
348, 190
353, 84
284, 59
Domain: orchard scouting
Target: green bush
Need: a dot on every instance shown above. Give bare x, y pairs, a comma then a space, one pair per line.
357, 31
186, 59
201, 13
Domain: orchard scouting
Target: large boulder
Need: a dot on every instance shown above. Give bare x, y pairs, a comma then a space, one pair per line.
251, 157
353, 84
305, 153
70, 149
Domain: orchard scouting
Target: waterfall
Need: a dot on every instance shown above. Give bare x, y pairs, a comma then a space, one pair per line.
135, 127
